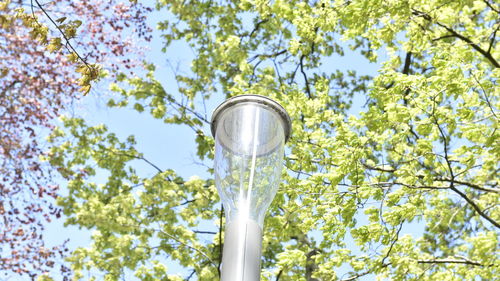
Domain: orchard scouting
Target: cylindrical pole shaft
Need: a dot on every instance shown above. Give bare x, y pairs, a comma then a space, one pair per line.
242, 251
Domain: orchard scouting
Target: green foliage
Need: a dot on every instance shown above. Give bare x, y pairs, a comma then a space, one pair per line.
54, 43
134, 219
423, 150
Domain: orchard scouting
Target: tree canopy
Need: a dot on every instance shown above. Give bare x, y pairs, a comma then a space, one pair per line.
417, 144
42, 69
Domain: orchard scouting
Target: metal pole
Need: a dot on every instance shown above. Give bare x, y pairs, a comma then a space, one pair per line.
242, 251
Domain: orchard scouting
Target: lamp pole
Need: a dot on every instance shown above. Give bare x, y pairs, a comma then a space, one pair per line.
250, 132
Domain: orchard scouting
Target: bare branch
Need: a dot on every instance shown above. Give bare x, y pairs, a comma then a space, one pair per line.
204, 232
452, 260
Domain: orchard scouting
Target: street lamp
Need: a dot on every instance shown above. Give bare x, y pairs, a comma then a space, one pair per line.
250, 132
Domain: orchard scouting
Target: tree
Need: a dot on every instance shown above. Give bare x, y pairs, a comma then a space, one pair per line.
38, 81
422, 150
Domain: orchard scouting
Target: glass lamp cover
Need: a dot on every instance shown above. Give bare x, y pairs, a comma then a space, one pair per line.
249, 143
250, 132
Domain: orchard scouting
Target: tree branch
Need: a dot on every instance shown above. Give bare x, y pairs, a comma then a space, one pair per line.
406, 67
444, 37
204, 232
493, 37
476, 207
491, 6
279, 275
476, 47
452, 180
257, 27
485, 93
190, 275
311, 265
387, 170
188, 246
273, 55
137, 157
183, 107
393, 242
308, 89
451, 260
354, 277
68, 45
471, 185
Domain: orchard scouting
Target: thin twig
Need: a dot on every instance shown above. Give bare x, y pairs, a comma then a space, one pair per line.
188, 246
492, 109
393, 242
68, 45
137, 157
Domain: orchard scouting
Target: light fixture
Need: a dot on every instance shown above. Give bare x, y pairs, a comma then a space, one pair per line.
250, 132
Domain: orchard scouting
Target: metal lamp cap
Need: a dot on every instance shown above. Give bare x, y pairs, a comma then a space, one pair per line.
262, 100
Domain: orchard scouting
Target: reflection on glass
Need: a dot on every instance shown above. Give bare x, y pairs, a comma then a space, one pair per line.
248, 157
249, 139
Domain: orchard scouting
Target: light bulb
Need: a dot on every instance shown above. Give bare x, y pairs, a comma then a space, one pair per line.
250, 132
